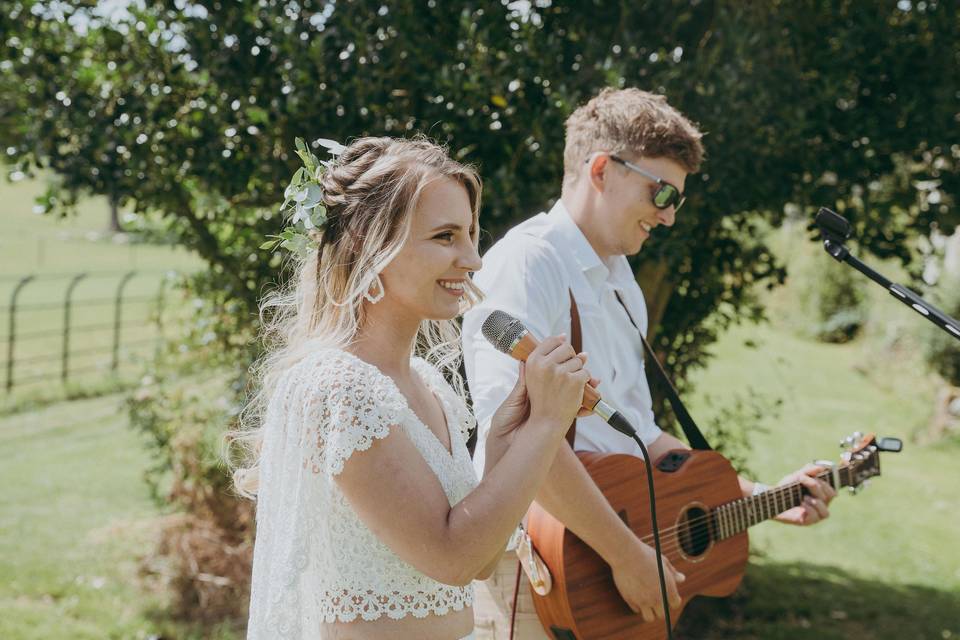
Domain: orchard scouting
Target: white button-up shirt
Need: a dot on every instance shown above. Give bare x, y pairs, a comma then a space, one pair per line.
529, 274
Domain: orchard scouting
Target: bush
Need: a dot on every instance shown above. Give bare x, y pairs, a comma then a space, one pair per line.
206, 544
833, 300
941, 350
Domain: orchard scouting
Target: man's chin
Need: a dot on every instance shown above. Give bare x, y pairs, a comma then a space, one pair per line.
635, 247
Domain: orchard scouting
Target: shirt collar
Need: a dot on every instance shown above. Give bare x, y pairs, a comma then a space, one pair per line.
616, 270
576, 245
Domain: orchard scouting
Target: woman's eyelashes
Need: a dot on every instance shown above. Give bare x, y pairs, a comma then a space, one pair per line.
446, 237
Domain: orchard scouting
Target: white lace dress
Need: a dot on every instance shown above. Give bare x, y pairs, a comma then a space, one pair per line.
315, 561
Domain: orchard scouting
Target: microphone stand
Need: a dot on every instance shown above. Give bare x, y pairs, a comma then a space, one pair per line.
834, 229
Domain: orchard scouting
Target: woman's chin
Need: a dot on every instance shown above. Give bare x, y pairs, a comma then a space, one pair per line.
446, 311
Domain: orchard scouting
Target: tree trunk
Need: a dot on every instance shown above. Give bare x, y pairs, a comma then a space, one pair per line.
657, 289
115, 216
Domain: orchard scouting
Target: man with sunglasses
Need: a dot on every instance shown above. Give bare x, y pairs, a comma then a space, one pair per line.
627, 156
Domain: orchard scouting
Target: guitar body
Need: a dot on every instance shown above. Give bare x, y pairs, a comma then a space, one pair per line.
584, 603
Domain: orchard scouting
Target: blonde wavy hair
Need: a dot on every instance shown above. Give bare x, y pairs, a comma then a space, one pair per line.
634, 121
370, 191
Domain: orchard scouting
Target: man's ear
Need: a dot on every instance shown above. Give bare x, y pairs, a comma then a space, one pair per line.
597, 171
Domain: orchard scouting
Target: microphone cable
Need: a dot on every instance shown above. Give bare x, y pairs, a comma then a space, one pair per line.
618, 422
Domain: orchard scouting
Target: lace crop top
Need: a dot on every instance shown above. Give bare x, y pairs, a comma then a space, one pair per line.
314, 560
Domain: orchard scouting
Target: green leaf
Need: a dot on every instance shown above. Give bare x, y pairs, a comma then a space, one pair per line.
307, 158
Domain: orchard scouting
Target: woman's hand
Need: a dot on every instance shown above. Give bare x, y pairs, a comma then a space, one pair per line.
554, 377
515, 409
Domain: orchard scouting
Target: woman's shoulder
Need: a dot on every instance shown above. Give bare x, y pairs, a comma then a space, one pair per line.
334, 375
425, 369
337, 362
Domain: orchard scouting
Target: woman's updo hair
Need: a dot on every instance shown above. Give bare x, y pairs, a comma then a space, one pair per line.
370, 192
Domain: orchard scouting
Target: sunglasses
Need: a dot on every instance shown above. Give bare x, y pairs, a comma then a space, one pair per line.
665, 196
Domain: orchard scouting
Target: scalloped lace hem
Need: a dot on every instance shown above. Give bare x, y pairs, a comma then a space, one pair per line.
344, 606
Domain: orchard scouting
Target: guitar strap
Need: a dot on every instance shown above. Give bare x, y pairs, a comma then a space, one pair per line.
576, 341
690, 429
694, 436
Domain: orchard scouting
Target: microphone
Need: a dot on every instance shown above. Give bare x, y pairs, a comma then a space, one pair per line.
509, 336
832, 225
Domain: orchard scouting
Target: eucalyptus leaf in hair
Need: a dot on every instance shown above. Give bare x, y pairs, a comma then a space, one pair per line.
303, 206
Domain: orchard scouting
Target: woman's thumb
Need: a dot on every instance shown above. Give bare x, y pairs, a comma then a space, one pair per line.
521, 385
521, 377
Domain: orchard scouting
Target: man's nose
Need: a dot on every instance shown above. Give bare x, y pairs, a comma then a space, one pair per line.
667, 216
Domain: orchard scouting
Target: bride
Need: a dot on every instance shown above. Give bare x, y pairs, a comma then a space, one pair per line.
370, 520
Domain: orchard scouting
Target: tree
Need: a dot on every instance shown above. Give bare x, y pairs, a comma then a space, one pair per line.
189, 110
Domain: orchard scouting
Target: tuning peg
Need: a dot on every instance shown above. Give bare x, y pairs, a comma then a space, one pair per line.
851, 441
892, 445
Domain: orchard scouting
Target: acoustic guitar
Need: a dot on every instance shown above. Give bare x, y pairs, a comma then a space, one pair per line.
703, 519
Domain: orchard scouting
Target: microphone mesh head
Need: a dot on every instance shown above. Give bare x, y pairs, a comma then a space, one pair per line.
502, 330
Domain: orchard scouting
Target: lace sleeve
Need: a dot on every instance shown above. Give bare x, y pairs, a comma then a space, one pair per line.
348, 404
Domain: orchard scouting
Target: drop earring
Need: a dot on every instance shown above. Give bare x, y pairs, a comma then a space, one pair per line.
374, 298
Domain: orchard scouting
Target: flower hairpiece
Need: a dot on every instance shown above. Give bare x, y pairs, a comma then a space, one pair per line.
303, 201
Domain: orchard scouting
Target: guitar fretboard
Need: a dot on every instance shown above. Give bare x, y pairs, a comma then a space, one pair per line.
735, 517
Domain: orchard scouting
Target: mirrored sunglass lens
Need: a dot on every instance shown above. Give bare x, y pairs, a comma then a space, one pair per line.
665, 196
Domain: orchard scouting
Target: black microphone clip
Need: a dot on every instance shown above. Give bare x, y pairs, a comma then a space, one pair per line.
835, 230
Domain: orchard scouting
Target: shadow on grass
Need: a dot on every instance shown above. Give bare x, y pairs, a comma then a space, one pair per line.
803, 601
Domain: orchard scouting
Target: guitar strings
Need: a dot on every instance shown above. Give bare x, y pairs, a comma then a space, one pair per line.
698, 539
779, 493
674, 542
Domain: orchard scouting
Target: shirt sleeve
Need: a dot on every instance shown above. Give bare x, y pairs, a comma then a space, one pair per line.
346, 405
522, 276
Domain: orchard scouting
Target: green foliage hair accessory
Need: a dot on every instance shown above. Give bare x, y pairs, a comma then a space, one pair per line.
303, 202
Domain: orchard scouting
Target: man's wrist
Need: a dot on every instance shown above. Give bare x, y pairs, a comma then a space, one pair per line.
758, 488
620, 546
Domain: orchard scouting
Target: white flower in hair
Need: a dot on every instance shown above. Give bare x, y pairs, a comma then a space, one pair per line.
334, 147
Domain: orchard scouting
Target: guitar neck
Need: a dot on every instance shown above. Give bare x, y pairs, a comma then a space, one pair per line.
735, 517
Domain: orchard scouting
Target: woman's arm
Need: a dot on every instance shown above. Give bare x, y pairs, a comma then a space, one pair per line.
395, 493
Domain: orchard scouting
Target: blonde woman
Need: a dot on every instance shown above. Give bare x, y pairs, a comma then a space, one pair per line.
370, 520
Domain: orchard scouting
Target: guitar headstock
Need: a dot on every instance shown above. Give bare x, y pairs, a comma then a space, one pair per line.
862, 458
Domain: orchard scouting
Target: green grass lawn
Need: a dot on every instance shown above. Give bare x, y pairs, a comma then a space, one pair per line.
31, 243
76, 520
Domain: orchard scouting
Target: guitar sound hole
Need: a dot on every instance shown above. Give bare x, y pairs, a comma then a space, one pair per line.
694, 532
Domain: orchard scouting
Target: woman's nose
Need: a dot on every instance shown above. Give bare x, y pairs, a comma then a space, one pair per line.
470, 260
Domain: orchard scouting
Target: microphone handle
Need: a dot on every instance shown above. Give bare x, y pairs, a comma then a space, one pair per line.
525, 346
